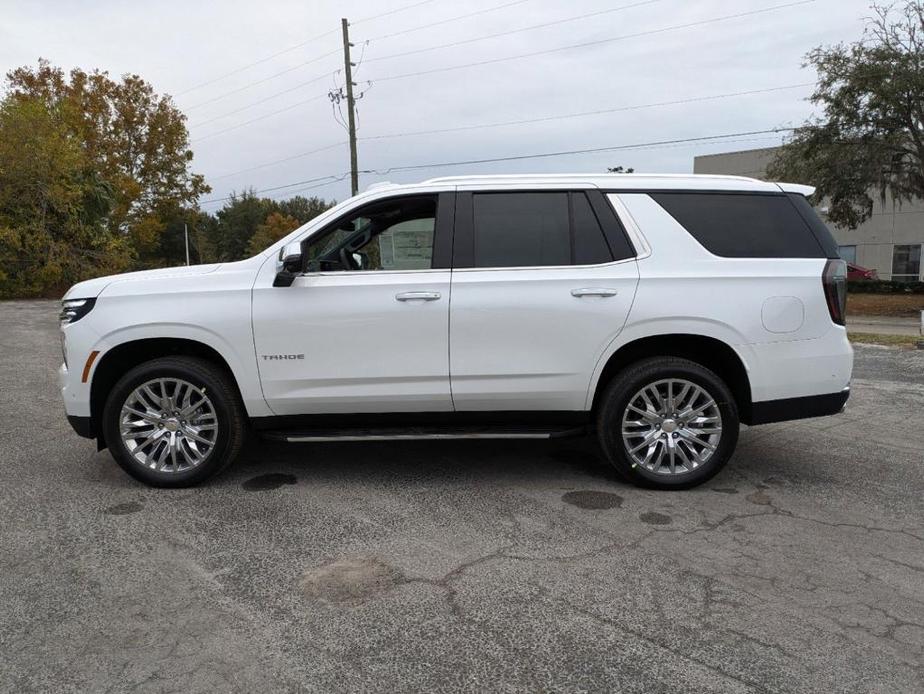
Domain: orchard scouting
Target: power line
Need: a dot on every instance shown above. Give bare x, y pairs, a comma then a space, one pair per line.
280, 161
592, 150
518, 157
507, 123
287, 185
394, 11
259, 118
262, 80
515, 31
292, 48
447, 21
257, 103
256, 62
594, 43
619, 109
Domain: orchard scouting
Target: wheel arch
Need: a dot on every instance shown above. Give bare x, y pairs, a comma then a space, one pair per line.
711, 352
116, 361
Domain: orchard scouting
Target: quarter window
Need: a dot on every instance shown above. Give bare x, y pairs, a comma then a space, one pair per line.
743, 225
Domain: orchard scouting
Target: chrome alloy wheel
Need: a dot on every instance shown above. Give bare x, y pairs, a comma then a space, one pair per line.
168, 425
671, 427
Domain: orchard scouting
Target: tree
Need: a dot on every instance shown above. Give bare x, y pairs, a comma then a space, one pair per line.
237, 223
53, 204
132, 138
274, 228
871, 134
237, 229
304, 209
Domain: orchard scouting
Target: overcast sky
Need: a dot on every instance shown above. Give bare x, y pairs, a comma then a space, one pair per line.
179, 45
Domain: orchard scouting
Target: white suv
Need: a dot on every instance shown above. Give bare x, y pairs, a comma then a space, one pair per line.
659, 311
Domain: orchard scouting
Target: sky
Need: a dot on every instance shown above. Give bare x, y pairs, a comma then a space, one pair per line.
253, 79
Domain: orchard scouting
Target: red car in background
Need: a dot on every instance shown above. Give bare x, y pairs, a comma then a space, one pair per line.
855, 272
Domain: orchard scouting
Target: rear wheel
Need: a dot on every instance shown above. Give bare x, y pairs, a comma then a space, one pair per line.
173, 422
668, 423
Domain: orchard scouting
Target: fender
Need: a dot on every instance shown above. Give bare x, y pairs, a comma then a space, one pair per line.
242, 365
671, 325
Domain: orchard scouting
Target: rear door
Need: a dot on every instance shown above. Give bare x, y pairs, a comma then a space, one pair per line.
542, 282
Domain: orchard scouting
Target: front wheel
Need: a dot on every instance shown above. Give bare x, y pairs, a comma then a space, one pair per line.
668, 423
174, 421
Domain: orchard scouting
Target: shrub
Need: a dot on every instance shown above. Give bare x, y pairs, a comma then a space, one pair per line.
884, 287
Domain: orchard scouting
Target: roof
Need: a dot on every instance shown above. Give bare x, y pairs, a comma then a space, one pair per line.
620, 181
641, 182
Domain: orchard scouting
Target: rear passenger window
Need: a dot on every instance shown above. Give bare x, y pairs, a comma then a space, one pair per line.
521, 229
538, 229
743, 225
589, 243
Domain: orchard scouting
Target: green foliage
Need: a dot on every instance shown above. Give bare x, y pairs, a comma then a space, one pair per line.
871, 136
88, 165
52, 204
95, 179
884, 287
247, 224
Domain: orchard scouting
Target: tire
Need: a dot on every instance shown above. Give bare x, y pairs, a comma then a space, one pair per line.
169, 444
702, 438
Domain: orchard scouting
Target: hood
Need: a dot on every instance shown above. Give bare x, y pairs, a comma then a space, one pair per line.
90, 289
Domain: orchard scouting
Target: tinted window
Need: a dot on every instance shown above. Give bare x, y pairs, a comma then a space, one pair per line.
521, 229
743, 225
819, 228
589, 243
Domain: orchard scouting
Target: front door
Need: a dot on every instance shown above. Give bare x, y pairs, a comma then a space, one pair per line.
366, 327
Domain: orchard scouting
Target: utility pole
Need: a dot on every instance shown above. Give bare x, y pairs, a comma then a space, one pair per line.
186, 236
351, 119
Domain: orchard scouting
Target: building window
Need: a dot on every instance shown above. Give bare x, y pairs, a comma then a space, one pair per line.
906, 263
848, 253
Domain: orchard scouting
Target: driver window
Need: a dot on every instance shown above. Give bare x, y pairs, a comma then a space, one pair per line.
393, 234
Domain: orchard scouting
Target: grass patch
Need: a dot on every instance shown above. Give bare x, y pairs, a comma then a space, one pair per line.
891, 305
907, 341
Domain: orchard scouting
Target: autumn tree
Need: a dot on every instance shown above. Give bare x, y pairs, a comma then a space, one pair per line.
276, 226
53, 204
870, 136
134, 140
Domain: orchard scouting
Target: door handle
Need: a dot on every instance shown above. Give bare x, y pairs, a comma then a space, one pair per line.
417, 296
593, 291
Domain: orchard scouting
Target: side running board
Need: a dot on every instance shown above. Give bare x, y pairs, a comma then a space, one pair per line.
419, 433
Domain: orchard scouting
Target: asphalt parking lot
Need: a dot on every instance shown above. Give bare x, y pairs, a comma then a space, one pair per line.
481, 566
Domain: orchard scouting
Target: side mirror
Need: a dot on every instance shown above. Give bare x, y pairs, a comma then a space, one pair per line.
291, 265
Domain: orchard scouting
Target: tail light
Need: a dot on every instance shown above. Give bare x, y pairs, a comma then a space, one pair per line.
834, 281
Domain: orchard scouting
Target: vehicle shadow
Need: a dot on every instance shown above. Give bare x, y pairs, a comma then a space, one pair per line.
422, 461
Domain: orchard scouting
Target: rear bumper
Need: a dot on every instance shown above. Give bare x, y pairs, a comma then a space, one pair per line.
798, 408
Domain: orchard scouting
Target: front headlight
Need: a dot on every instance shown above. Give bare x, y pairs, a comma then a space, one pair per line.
72, 310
